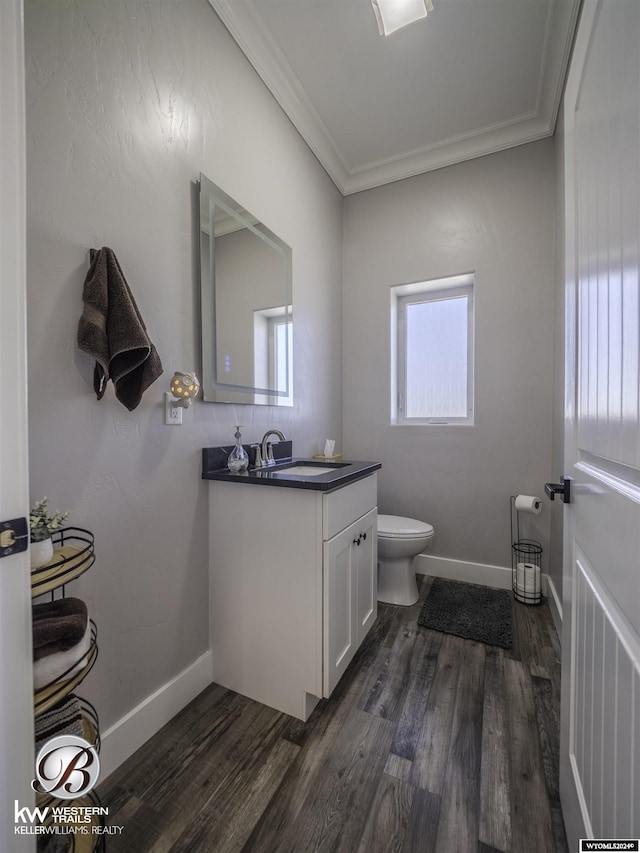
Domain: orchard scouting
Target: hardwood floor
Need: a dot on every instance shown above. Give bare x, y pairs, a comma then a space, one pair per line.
429, 743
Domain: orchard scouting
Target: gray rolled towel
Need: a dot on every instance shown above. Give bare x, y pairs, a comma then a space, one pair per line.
64, 664
57, 626
112, 331
65, 718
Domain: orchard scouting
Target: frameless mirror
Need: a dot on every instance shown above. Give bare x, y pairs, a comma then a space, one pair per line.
246, 305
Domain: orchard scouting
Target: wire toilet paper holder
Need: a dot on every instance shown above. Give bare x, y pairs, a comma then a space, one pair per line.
526, 562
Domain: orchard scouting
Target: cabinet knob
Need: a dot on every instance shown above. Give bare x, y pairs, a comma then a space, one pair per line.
356, 541
364, 535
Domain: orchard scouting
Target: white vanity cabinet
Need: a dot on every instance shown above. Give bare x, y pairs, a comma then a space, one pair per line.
293, 588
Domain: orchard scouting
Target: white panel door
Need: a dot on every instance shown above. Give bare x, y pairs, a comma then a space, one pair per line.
600, 739
16, 678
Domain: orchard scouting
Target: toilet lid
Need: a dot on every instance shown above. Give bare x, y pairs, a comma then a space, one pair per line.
399, 527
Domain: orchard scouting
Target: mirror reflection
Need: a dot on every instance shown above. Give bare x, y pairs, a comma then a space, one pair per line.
247, 311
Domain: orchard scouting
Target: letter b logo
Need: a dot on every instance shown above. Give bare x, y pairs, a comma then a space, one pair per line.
66, 767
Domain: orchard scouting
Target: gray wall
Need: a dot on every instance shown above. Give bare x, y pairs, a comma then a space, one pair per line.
493, 216
127, 102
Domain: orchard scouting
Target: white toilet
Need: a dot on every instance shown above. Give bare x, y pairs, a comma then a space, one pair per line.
399, 541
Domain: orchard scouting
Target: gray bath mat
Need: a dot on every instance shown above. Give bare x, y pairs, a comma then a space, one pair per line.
468, 610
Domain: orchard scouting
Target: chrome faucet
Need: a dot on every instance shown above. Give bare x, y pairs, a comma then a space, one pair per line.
266, 449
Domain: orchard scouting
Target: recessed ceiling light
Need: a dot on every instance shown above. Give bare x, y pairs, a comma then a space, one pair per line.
391, 15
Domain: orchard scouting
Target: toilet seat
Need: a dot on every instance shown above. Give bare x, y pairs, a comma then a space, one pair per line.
398, 527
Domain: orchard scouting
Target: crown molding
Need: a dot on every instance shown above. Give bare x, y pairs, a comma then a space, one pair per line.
446, 153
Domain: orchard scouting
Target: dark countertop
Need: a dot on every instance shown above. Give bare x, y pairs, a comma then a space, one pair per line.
343, 473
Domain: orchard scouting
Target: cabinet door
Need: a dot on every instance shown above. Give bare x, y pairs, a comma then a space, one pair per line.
340, 606
366, 555
350, 595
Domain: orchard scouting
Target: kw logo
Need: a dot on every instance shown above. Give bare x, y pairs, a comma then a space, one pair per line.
26, 815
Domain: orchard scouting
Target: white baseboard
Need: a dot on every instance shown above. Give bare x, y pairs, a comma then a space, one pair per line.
122, 739
555, 604
461, 570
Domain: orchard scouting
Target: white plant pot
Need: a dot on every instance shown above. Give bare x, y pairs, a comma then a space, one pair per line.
41, 552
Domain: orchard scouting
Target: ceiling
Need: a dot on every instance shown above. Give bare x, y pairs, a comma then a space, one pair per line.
474, 77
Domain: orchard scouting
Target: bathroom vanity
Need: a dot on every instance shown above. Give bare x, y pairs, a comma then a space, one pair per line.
293, 577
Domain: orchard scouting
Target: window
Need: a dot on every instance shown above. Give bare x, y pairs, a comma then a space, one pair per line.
432, 352
281, 356
273, 355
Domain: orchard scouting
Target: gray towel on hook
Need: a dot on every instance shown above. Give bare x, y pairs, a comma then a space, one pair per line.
112, 331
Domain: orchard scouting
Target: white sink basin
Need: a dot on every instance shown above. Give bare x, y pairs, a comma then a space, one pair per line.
304, 471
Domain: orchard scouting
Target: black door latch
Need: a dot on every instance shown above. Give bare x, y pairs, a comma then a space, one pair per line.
14, 536
563, 488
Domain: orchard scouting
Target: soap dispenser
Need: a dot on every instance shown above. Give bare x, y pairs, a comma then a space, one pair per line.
238, 460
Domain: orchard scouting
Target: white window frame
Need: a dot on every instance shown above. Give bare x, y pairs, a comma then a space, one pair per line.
265, 357
285, 319
428, 291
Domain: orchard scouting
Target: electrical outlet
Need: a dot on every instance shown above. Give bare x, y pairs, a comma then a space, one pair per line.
172, 411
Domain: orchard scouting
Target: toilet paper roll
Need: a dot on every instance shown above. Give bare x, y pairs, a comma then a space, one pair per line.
527, 579
528, 503
329, 447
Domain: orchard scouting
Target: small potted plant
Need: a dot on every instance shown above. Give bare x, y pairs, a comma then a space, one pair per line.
42, 523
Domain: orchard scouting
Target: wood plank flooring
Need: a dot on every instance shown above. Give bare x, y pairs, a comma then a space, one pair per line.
429, 744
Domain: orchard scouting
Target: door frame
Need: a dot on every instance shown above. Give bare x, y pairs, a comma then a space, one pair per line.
16, 669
